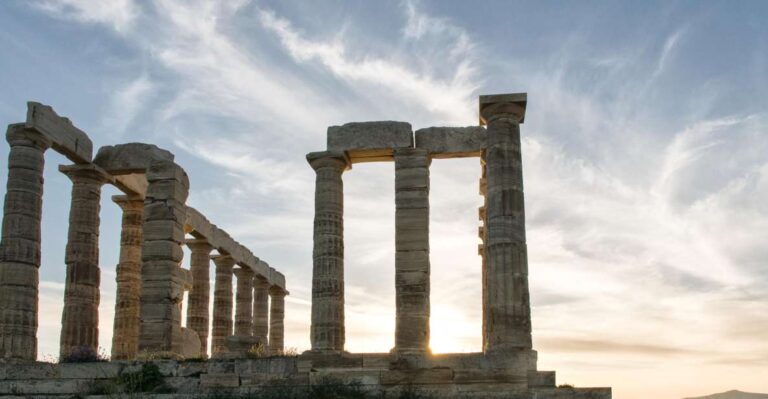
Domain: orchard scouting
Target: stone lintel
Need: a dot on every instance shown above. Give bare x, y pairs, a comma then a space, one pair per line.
132, 184
452, 142
130, 158
513, 103
89, 169
65, 137
370, 141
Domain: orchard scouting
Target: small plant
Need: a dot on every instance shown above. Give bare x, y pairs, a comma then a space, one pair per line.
567, 386
288, 352
84, 354
158, 355
148, 379
332, 388
257, 351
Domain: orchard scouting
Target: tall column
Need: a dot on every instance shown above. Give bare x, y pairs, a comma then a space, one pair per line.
244, 302
327, 330
276, 320
125, 338
222, 303
508, 306
261, 309
483, 190
20, 246
412, 250
199, 296
80, 318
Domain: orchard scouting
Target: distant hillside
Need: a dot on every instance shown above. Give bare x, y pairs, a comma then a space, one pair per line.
734, 395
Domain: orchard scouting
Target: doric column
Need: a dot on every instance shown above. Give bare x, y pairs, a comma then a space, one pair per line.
222, 302
481, 214
261, 309
327, 330
508, 306
199, 296
244, 302
20, 246
125, 338
276, 320
80, 318
412, 250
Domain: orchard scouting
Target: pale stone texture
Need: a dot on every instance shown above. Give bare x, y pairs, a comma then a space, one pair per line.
162, 280
80, 317
260, 309
59, 131
508, 325
277, 320
412, 251
244, 302
451, 142
327, 329
370, 141
125, 338
222, 303
199, 296
20, 246
191, 344
482, 215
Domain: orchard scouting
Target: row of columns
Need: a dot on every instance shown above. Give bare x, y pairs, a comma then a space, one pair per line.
506, 304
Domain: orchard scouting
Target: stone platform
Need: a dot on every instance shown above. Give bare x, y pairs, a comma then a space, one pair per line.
443, 376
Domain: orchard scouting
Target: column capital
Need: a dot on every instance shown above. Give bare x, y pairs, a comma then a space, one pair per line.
243, 272
129, 202
86, 173
276, 291
510, 106
223, 261
260, 281
199, 245
329, 159
19, 134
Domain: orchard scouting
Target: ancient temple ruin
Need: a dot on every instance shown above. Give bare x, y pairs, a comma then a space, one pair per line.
151, 283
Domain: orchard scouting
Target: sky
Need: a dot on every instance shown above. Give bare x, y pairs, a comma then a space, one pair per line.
645, 156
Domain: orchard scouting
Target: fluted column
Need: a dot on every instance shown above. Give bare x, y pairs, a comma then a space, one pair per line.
412, 250
222, 302
244, 302
261, 309
483, 190
80, 318
20, 246
199, 296
276, 320
125, 338
508, 303
327, 330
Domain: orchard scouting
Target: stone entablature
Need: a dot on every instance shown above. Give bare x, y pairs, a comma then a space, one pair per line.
150, 280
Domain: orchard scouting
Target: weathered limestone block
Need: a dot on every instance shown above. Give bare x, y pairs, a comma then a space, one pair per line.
237, 347
162, 281
125, 338
508, 324
63, 136
277, 320
222, 303
260, 309
80, 318
370, 141
130, 158
199, 296
452, 142
412, 251
327, 329
244, 302
191, 345
20, 246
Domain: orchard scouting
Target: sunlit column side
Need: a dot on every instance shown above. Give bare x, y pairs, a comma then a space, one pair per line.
244, 302
222, 303
483, 234
261, 310
276, 320
198, 313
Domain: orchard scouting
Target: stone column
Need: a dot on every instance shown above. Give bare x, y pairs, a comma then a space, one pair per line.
80, 318
483, 189
508, 306
327, 330
244, 302
222, 303
125, 338
162, 279
412, 250
199, 296
261, 310
20, 246
276, 320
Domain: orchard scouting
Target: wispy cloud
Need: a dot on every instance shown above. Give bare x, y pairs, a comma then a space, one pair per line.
118, 14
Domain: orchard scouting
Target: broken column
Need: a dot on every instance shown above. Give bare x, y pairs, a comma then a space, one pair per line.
508, 310
199, 296
327, 330
162, 280
412, 251
261, 310
125, 338
20, 247
244, 302
277, 320
222, 303
80, 318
